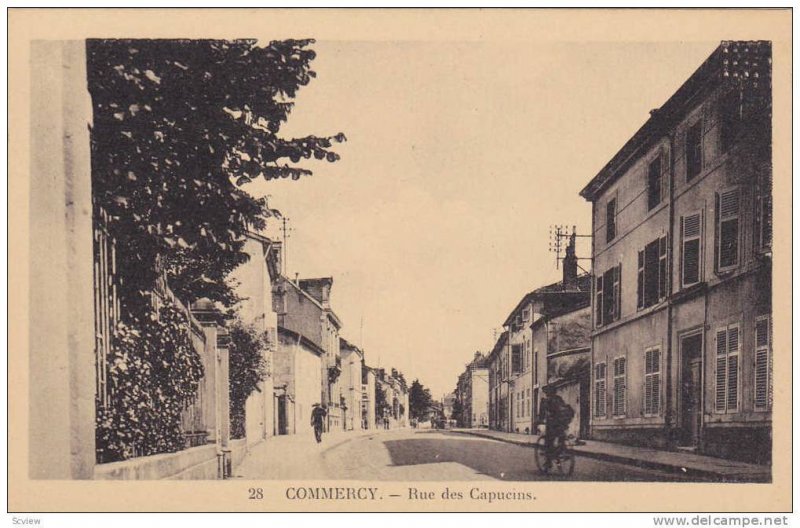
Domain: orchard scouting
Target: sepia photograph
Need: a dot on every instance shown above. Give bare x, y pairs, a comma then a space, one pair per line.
317, 258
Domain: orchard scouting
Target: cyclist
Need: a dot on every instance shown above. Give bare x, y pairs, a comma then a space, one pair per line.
318, 414
556, 415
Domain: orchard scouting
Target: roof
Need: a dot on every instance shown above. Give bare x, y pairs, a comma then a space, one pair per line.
347, 345
584, 287
501, 342
311, 298
711, 73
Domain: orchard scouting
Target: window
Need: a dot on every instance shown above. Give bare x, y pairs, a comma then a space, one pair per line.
694, 150
763, 213
600, 390
656, 183
608, 296
652, 273
535, 367
690, 249
763, 364
730, 118
652, 382
619, 387
516, 359
726, 395
727, 212
611, 220
526, 315
598, 295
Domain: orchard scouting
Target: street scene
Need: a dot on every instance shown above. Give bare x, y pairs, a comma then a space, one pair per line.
427, 456
291, 259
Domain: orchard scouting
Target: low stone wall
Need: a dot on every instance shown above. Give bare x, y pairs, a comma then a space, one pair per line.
239, 450
194, 463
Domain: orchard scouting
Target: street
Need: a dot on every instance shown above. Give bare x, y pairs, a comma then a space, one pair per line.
417, 455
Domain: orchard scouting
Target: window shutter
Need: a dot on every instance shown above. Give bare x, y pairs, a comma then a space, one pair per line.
691, 228
728, 232
664, 178
599, 301
662, 267
640, 281
763, 365
618, 292
721, 370
656, 366
733, 368
619, 386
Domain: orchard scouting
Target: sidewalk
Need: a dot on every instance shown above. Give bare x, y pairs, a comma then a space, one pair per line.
688, 464
295, 456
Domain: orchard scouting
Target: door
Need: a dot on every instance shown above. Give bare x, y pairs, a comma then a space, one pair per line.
282, 415
691, 401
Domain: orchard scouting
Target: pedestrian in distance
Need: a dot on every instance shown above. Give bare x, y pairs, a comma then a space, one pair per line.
318, 414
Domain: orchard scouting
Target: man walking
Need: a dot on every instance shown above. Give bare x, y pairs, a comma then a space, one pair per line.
318, 414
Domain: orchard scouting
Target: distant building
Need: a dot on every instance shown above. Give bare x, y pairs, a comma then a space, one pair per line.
449, 400
351, 384
499, 385
472, 392
540, 333
682, 257
368, 415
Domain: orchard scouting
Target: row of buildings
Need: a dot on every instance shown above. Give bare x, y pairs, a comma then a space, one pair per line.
668, 341
309, 362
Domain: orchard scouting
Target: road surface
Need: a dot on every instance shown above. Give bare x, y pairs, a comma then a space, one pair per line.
415, 455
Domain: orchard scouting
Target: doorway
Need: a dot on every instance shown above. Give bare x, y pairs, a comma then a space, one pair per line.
282, 422
691, 390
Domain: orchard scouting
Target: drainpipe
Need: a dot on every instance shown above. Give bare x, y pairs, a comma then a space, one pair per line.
670, 411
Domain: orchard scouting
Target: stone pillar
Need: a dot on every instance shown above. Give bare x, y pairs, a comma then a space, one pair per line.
224, 399
62, 371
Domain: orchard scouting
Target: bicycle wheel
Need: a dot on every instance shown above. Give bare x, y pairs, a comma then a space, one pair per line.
541, 456
565, 464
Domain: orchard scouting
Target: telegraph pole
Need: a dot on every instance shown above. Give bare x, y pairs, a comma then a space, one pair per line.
285, 230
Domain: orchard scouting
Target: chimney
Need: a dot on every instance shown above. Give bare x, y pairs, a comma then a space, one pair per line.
570, 280
320, 289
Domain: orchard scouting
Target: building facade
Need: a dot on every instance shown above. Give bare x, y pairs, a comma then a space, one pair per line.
497, 362
352, 375
472, 392
682, 234
255, 279
303, 308
368, 415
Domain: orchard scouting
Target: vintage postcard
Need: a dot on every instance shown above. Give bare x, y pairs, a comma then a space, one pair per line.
400, 260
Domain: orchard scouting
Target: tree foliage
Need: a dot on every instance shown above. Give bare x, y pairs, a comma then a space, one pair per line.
180, 128
248, 368
153, 374
419, 400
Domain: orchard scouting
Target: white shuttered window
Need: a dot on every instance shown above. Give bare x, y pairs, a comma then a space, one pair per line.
763, 364
726, 371
652, 382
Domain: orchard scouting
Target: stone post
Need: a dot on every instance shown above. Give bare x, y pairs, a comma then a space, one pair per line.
62, 363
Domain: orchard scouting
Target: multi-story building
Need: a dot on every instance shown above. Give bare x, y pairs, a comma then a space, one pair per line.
497, 362
531, 342
368, 415
682, 223
351, 378
472, 392
303, 308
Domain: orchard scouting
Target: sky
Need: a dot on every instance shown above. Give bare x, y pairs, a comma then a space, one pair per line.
460, 156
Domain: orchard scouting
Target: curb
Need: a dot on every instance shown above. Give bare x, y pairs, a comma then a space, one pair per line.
646, 464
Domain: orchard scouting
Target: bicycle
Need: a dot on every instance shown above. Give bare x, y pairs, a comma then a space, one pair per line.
561, 460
